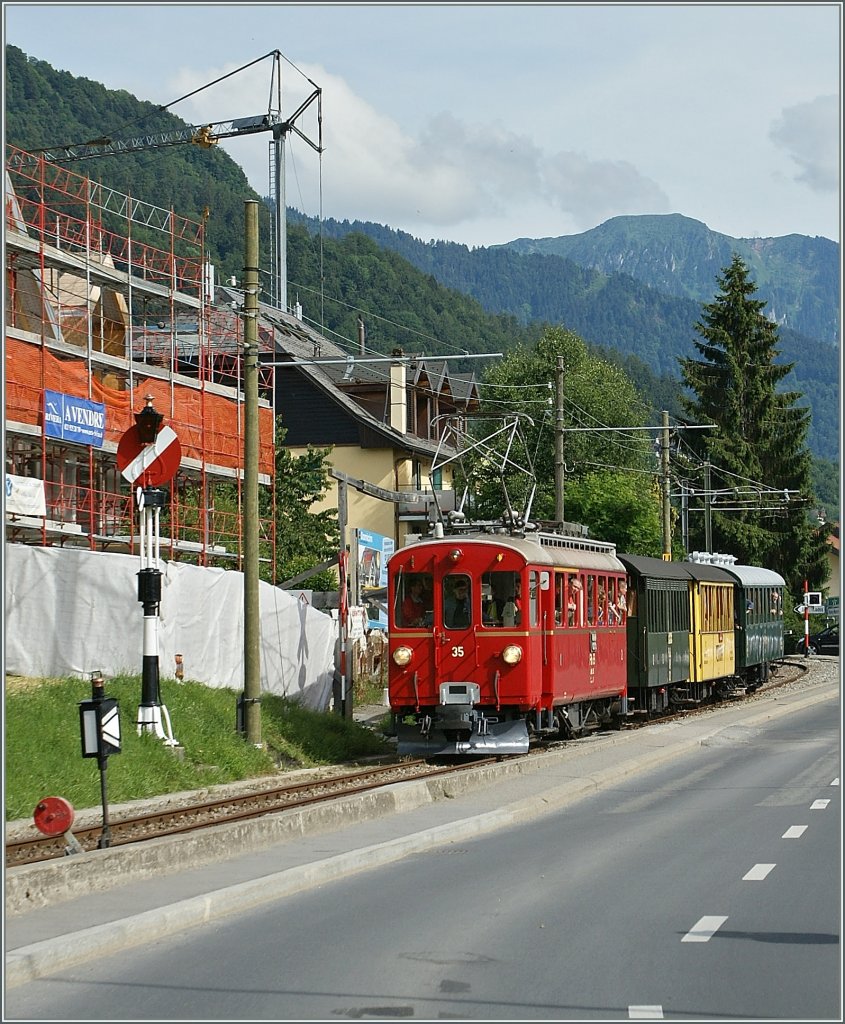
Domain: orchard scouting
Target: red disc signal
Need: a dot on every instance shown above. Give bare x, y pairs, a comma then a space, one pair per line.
53, 816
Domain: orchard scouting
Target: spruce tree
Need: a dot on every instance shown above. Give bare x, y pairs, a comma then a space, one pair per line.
759, 444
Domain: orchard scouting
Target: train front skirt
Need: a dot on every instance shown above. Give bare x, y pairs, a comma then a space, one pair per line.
423, 739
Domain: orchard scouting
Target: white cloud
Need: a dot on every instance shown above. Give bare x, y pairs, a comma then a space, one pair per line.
591, 191
804, 133
451, 173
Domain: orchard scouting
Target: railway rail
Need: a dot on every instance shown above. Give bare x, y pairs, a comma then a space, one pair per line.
191, 817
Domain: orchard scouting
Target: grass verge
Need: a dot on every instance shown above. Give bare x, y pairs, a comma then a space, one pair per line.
43, 751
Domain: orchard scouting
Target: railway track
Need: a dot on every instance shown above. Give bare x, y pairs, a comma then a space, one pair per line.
190, 817
786, 674
231, 808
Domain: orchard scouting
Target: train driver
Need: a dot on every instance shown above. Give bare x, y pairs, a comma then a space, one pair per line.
413, 607
456, 609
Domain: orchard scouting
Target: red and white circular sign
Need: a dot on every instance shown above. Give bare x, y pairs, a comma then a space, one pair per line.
149, 465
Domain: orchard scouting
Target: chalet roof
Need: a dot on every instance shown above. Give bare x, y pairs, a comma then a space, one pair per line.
465, 387
295, 339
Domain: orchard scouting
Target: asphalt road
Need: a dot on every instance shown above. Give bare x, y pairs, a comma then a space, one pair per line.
705, 885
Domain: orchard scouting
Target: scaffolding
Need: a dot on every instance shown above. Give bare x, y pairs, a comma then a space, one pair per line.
110, 300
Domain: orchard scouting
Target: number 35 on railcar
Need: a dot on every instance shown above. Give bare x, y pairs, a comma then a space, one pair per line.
494, 639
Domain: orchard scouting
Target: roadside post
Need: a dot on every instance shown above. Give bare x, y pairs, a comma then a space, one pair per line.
149, 455
99, 722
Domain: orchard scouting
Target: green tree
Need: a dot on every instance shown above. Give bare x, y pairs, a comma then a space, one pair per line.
303, 538
760, 438
609, 474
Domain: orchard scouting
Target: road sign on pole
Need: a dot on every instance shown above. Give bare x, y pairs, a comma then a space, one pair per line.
150, 465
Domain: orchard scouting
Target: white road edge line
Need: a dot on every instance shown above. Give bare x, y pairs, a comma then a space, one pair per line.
704, 929
794, 832
757, 873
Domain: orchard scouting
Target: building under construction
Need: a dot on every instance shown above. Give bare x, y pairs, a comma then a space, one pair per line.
110, 306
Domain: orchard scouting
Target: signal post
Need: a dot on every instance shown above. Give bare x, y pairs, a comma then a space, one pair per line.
150, 454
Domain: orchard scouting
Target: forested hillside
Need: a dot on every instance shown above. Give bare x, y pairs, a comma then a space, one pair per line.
614, 311
437, 298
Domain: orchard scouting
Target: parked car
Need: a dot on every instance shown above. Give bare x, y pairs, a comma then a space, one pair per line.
826, 641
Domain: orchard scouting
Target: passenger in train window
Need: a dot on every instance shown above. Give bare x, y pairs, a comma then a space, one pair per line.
602, 603
613, 616
622, 600
573, 613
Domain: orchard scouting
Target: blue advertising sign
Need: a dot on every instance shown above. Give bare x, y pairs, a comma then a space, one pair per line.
74, 419
374, 549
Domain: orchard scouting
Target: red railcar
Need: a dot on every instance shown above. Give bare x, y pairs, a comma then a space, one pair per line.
495, 638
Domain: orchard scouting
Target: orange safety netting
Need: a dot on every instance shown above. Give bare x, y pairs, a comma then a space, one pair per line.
209, 426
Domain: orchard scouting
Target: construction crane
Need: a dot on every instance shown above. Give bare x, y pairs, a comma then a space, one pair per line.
206, 136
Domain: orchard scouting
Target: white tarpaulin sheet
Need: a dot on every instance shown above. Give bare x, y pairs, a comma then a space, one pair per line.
71, 611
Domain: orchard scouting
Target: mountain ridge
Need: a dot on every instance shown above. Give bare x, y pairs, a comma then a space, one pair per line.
797, 275
612, 310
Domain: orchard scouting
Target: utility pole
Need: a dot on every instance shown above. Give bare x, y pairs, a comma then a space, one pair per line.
664, 464
708, 524
343, 689
252, 664
684, 518
559, 463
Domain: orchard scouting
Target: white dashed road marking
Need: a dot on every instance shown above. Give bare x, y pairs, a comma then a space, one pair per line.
835, 782
819, 805
704, 929
645, 1012
794, 832
757, 873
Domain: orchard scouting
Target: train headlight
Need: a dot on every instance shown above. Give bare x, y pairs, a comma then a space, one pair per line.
512, 654
402, 656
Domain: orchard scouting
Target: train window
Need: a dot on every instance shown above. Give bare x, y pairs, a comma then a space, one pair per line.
574, 601
591, 600
601, 600
775, 604
717, 608
413, 600
559, 598
622, 601
534, 586
457, 601
680, 619
612, 602
499, 592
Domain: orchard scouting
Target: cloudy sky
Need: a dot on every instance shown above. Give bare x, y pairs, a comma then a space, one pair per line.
481, 123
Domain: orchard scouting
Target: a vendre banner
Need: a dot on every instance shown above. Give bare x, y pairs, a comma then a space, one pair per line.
69, 418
